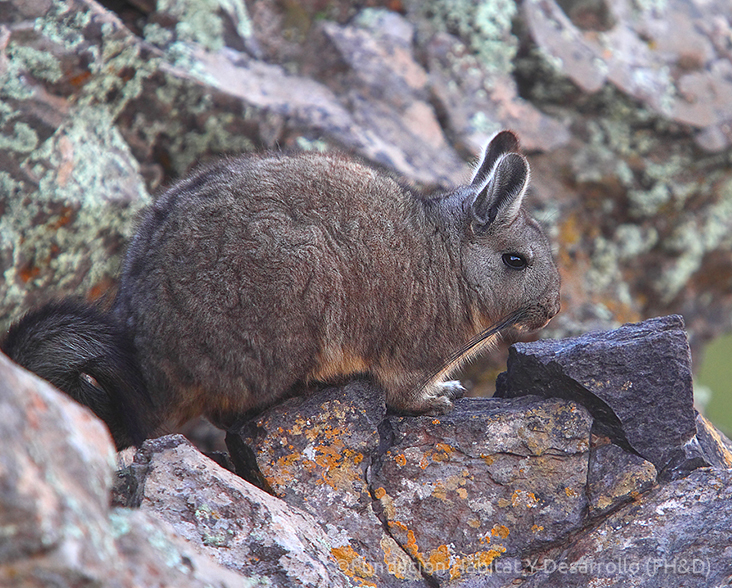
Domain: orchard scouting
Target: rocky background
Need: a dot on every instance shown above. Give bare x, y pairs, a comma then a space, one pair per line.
625, 111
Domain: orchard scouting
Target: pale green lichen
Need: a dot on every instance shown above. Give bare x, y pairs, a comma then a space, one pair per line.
187, 144
484, 25
23, 139
118, 73
44, 63
83, 163
604, 275
62, 25
692, 240
200, 26
201, 21
647, 203
305, 144
633, 240
480, 122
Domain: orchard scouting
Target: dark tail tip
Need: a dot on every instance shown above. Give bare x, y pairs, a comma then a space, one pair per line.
86, 354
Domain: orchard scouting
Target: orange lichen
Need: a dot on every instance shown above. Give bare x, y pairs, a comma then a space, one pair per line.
445, 448
500, 531
488, 459
439, 491
380, 493
524, 498
400, 460
287, 460
412, 548
353, 565
439, 559
396, 561
476, 562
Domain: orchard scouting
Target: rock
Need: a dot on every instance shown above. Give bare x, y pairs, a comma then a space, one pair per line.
616, 477
405, 496
234, 523
57, 461
715, 446
635, 381
71, 185
58, 528
490, 479
314, 452
150, 550
665, 56
676, 536
477, 103
386, 90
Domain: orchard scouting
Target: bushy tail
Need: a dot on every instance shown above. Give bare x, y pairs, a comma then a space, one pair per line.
84, 352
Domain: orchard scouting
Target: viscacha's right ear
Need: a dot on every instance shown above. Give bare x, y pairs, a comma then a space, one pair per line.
500, 200
501, 143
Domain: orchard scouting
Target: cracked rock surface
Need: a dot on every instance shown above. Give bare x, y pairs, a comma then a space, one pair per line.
442, 497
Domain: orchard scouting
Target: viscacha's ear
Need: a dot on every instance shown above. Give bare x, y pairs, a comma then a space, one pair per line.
501, 143
500, 200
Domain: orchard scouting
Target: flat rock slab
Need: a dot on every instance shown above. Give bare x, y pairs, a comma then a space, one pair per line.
635, 381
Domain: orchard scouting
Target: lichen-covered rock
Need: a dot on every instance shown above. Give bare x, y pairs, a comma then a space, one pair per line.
677, 535
478, 103
635, 380
314, 452
70, 184
56, 464
236, 524
491, 478
667, 55
441, 496
615, 477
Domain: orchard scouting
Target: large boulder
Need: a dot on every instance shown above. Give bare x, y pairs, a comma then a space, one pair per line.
636, 381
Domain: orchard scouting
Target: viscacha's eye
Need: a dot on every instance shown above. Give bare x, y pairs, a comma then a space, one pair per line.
514, 261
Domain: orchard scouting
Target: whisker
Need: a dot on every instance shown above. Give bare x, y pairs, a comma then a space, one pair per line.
495, 329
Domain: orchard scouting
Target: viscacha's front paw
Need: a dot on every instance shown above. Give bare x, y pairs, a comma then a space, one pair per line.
438, 398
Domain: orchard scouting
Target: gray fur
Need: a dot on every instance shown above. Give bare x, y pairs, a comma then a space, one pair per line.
258, 276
